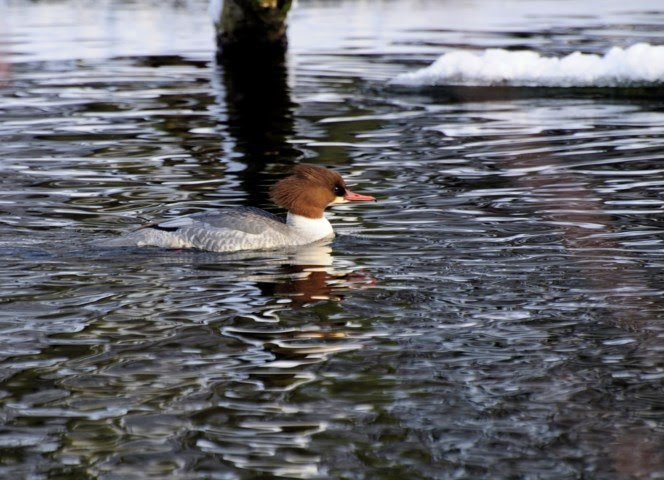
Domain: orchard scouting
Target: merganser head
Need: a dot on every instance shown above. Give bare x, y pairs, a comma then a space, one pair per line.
310, 188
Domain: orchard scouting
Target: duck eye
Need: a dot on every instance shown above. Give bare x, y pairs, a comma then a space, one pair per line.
339, 191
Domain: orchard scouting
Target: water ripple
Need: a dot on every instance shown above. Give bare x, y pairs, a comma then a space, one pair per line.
501, 298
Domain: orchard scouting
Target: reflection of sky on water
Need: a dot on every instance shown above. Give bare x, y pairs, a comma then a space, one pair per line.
104, 29
501, 298
108, 28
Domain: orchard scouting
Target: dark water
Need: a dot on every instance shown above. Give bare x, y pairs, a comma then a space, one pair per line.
496, 314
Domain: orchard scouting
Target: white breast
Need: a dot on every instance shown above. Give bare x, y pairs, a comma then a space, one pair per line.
310, 229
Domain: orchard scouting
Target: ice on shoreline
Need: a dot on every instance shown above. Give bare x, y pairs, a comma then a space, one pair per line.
641, 64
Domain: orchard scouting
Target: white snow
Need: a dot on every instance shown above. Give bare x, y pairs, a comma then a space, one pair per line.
214, 10
638, 65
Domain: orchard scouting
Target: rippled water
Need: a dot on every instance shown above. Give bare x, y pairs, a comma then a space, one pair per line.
496, 314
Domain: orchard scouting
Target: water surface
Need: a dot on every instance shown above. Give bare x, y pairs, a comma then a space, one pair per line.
496, 314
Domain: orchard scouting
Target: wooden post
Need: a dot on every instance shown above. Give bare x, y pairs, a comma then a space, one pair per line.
250, 26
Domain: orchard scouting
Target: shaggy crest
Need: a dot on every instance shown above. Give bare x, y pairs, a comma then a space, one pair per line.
308, 190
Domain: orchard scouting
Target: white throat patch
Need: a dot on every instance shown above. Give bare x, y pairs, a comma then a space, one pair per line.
311, 229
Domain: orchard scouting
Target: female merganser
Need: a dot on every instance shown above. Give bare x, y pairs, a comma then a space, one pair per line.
305, 194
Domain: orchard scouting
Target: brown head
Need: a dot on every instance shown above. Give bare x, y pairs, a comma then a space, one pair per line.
310, 188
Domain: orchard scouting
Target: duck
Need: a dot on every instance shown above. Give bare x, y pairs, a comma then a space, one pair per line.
305, 194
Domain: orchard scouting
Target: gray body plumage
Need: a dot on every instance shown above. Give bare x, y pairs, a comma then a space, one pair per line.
228, 230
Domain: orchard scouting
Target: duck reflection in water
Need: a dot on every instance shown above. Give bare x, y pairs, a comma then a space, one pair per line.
312, 274
295, 277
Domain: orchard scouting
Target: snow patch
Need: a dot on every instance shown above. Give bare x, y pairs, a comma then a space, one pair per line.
641, 64
214, 10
